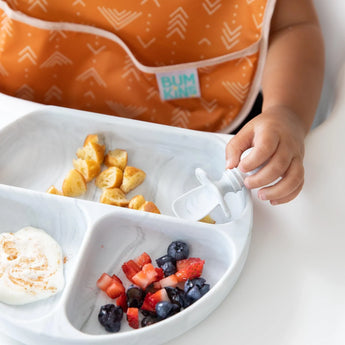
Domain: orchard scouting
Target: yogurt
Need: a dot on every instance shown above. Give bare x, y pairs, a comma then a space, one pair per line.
31, 266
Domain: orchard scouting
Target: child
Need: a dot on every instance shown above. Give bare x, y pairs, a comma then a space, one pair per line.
192, 64
291, 86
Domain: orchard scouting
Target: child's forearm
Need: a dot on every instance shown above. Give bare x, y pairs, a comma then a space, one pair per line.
294, 71
292, 84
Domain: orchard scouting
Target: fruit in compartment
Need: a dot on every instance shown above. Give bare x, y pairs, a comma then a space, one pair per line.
195, 289
110, 317
178, 250
189, 268
149, 319
135, 296
165, 309
143, 259
112, 286
153, 292
145, 277
130, 268
168, 264
133, 317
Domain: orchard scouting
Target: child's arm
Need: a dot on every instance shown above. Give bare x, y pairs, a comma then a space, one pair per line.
291, 84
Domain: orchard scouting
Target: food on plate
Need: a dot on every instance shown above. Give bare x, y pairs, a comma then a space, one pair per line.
110, 317
178, 250
165, 309
149, 206
53, 190
74, 184
111, 285
154, 292
138, 202
116, 180
133, 317
195, 288
114, 196
116, 158
87, 167
132, 178
134, 296
109, 178
208, 219
92, 149
167, 264
31, 266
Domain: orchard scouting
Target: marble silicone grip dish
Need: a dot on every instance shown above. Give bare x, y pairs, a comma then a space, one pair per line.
36, 151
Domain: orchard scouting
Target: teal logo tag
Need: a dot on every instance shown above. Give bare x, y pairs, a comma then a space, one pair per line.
178, 84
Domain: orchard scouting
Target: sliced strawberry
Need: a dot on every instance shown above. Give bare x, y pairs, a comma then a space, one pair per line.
115, 289
159, 296
157, 285
104, 281
130, 268
145, 277
181, 264
150, 270
171, 281
114, 276
121, 301
142, 259
147, 303
141, 280
160, 273
189, 268
133, 317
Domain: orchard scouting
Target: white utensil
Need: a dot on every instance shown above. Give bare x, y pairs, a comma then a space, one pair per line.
200, 201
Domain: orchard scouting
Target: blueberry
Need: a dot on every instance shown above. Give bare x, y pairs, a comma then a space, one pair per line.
110, 317
178, 250
151, 289
175, 309
193, 294
177, 296
163, 259
135, 297
168, 268
204, 289
188, 285
147, 313
168, 264
165, 309
199, 282
195, 288
149, 320
113, 327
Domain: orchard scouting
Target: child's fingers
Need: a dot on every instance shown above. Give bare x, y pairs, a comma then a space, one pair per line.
236, 146
264, 147
276, 167
286, 188
288, 197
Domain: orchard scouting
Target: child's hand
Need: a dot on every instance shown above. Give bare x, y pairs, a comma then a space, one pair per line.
277, 137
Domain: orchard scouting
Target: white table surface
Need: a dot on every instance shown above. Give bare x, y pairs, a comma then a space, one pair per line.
292, 288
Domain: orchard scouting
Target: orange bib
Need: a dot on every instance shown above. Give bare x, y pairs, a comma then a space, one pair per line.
192, 64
